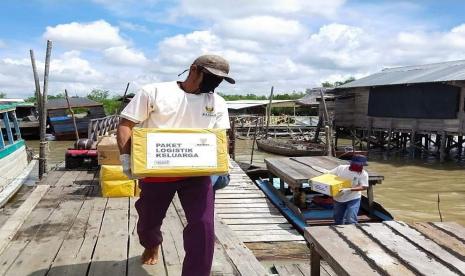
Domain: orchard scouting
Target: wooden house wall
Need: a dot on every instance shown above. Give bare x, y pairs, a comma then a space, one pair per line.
351, 110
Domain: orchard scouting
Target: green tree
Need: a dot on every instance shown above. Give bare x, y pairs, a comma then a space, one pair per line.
2, 95
98, 95
328, 84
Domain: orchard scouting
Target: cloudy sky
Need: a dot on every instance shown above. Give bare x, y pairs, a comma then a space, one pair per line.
291, 44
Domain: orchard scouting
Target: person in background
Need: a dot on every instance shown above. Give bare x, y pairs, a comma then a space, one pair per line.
347, 201
187, 104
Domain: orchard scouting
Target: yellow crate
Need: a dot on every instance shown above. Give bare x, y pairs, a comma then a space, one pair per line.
115, 183
329, 184
178, 152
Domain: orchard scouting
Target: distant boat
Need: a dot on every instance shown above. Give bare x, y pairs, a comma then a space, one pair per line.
15, 165
61, 123
302, 148
290, 147
28, 117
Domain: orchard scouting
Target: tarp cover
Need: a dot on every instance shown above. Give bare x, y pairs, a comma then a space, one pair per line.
421, 101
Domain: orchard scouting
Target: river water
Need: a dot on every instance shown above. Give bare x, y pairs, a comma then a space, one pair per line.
410, 189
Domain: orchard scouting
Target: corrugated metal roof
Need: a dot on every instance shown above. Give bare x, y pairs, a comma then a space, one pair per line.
73, 101
435, 72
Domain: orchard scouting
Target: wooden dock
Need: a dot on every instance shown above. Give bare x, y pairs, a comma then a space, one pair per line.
389, 248
74, 231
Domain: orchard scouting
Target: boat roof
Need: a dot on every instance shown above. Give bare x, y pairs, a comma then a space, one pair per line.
7, 107
7, 101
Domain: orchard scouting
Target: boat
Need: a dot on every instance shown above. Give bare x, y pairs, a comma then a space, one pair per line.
61, 122
27, 116
303, 148
319, 209
290, 147
15, 162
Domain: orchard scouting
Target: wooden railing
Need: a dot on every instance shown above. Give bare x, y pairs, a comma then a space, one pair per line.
102, 126
250, 120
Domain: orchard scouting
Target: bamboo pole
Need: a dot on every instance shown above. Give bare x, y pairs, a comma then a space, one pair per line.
72, 116
269, 113
254, 139
43, 119
124, 98
36, 80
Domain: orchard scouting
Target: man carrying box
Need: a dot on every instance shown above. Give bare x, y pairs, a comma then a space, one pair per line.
187, 104
347, 201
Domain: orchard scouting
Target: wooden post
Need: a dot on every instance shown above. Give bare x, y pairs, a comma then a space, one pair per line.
412, 143
328, 141
442, 151
72, 116
314, 261
328, 130
281, 185
318, 129
460, 145
389, 140
2, 142
254, 140
43, 111
269, 112
370, 196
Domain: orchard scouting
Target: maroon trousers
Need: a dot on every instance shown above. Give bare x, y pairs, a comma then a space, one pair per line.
197, 199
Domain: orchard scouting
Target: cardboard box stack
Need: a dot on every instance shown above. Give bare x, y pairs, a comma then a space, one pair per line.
329, 184
108, 152
179, 152
113, 181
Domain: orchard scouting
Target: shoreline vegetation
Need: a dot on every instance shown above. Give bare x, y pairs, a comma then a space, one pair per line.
112, 101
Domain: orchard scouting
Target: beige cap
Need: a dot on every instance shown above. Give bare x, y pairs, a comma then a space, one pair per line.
216, 65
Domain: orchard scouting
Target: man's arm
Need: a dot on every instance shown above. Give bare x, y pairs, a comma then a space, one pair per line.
362, 183
123, 135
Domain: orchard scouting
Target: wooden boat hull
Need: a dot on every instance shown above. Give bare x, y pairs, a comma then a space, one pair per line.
266, 146
14, 168
319, 216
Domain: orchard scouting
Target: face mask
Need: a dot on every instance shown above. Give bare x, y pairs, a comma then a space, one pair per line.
209, 83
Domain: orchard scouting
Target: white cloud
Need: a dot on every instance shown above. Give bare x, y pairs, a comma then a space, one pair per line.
266, 29
133, 27
213, 9
123, 55
93, 35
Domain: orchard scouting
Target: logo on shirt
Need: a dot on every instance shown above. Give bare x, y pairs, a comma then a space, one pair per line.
209, 111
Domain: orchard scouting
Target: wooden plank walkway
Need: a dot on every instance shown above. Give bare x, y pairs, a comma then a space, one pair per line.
74, 231
389, 248
245, 208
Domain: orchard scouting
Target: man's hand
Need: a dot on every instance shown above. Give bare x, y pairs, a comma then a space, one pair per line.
126, 163
344, 191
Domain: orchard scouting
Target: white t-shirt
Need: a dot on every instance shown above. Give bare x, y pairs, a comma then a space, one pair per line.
165, 105
356, 178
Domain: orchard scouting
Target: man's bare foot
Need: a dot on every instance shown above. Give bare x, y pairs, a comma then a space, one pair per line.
150, 256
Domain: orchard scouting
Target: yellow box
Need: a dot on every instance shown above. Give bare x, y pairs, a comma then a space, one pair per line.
115, 183
179, 152
329, 184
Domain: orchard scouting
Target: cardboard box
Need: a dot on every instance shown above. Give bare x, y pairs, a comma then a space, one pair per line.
329, 184
178, 152
108, 152
114, 182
